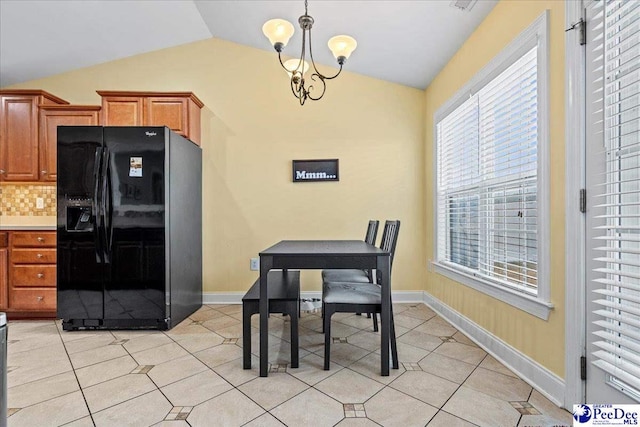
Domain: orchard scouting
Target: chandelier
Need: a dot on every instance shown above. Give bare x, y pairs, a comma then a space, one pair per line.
279, 31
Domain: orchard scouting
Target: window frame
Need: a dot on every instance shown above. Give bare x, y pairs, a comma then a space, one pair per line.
537, 34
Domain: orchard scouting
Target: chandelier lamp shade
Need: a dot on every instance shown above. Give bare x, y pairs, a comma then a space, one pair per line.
304, 85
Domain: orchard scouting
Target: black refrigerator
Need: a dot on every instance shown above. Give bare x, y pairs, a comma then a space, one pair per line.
129, 227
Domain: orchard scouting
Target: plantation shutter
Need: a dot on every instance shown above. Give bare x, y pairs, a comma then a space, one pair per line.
615, 79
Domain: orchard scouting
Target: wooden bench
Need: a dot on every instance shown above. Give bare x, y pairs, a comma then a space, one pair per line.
284, 297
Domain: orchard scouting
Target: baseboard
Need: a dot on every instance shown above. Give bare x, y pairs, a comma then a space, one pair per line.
539, 377
236, 297
222, 297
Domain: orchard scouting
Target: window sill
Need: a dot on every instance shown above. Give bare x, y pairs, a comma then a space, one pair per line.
530, 304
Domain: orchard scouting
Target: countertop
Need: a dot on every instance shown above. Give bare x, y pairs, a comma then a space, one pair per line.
27, 222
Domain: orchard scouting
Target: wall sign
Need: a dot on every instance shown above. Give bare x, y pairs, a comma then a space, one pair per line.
315, 170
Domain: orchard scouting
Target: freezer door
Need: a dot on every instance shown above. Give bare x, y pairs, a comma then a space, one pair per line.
134, 203
79, 240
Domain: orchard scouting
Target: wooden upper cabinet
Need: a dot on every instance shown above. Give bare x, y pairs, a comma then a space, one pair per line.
122, 110
179, 111
52, 116
19, 132
169, 112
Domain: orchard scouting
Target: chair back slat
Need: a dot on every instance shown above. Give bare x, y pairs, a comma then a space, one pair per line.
372, 232
390, 238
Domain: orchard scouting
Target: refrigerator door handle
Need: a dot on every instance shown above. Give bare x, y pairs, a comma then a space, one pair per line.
109, 211
97, 212
103, 206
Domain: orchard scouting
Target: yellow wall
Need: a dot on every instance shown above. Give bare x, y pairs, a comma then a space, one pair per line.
252, 127
541, 340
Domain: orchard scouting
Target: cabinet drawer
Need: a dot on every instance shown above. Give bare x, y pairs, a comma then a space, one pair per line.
33, 299
33, 276
33, 256
34, 239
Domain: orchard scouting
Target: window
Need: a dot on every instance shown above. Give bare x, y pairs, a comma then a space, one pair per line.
491, 183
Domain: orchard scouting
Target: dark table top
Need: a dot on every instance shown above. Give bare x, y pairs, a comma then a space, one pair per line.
334, 248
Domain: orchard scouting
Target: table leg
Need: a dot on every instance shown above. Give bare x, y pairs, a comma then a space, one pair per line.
265, 265
385, 315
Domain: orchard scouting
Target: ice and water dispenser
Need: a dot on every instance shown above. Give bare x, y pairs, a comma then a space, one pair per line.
79, 215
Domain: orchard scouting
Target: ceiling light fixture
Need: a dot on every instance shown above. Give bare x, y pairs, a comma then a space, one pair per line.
279, 31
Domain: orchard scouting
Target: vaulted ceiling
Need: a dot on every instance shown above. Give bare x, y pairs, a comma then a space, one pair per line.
406, 42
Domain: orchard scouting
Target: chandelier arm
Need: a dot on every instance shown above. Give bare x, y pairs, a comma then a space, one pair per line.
298, 90
281, 63
295, 89
317, 72
303, 52
334, 76
324, 87
302, 90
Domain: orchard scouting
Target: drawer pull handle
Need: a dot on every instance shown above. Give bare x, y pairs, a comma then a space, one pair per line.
40, 275
40, 239
39, 256
40, 298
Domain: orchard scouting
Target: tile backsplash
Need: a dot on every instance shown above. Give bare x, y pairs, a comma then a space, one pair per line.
20, 199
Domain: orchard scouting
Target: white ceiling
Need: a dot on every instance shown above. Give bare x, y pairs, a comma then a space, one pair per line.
406, 42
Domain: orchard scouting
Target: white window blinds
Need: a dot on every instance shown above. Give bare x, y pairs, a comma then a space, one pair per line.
615, 76
487, 180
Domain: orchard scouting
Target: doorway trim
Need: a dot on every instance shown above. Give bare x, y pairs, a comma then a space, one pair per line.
575, 180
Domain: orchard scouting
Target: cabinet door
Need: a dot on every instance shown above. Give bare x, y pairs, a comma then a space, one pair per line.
4, 269
50, 119
18, 138
165, 111
122, 111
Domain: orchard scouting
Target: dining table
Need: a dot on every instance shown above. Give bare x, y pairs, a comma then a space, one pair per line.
326, 254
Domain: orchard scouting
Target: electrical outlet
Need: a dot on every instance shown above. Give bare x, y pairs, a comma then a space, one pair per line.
254, 264
39, 203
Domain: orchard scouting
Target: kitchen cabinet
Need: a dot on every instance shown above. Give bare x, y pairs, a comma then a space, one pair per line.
179, 111
52, 116
19, 133
4, 268
32, 274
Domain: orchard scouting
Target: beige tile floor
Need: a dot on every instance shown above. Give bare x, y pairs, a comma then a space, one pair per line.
193, 376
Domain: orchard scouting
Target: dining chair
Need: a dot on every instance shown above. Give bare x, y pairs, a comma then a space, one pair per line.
358, 297
354, 275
